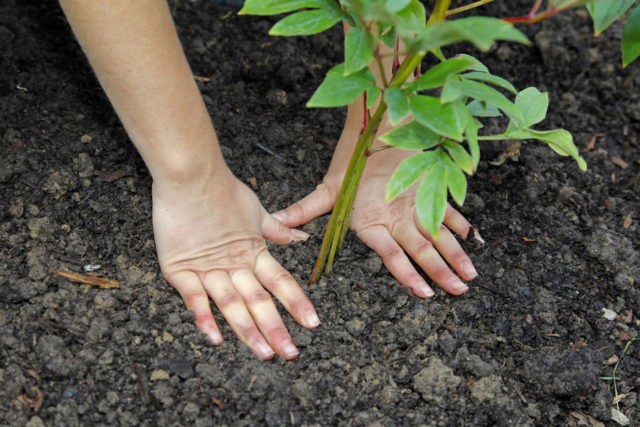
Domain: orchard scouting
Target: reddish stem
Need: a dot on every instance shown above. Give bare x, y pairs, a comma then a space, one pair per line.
533, 16
365, 118
396, 59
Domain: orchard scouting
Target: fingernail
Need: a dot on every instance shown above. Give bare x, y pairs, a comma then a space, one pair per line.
478, 237
469, 270
312, 320
459, 286
299, 234
280, 215
426, 290
215, 337
264, 350
290, 351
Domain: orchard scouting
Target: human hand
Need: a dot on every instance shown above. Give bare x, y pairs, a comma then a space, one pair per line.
210, 244
391, 229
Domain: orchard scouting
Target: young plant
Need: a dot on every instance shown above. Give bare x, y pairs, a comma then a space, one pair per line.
438, 114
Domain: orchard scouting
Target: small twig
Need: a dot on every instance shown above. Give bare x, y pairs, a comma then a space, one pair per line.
102, 282
273, 153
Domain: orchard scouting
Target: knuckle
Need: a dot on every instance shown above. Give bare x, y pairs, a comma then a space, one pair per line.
393, 254
278, 333
258, 297
227, 300
424, 246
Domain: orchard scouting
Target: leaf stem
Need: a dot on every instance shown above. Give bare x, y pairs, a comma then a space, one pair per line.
468, 7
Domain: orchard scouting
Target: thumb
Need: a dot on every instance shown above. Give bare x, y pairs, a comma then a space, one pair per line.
276, 231
316, 203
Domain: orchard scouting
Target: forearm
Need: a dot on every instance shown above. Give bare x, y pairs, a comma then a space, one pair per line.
135, 52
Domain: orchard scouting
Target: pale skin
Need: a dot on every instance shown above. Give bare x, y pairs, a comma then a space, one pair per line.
210, 229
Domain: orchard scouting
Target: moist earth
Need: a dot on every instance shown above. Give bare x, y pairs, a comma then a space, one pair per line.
534, 342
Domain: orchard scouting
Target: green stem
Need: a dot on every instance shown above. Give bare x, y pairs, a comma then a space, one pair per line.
341, 215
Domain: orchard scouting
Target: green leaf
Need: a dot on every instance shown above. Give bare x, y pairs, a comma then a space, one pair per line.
460, 156
606, 12
437, 75
479, 66
487, 94
559, 140
396, 5
431, 198
451, 91
338, 90
456, 181
490, 78
412, 136
408, 172
442, 119
482, 109
276, 7
631, 38
533, 104
358, 50
398, 104
306, 22
471, 134
373, 93
389, 37
481, 31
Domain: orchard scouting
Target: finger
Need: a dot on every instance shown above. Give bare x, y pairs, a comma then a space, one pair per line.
450, 249
456, 222
316, 203
276, 231
283, 286
190, 287
426, 256
379, 239
232, 306
264, 313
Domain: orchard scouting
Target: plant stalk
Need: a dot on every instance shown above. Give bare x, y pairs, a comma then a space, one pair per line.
341, 214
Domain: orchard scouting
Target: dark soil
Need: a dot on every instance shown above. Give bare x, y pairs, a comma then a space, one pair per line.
528, 345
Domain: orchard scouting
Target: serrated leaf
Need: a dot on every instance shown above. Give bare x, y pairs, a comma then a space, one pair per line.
431, 199
412, 136
337, 90
408, 172
559, 140
456, 181
437, 75
306, 22
490, 78
631, 38
398, 103
481, 31
442, 119
533, 104
276, 7
460, 156
606, 12
358, 50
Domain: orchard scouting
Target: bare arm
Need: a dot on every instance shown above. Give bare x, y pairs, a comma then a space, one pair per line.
209, 228
135, 52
